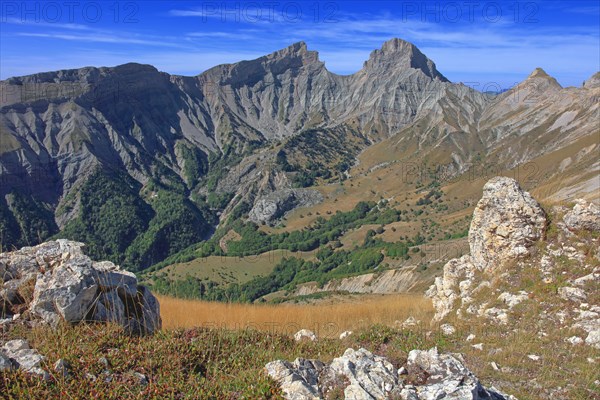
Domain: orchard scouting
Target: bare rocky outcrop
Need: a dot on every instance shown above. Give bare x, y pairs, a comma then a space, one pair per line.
274, 206
361, 375
56, 282
506, 223
384, 282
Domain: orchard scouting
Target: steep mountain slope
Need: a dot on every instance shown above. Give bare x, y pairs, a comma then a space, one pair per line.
187, 152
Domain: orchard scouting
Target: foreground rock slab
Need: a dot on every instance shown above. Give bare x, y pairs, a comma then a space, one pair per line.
56, 282
362, 375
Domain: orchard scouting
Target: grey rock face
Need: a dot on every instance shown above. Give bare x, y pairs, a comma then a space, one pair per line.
70, 287
364, 376
370, 376
5, 363
506, 222
452, 286
276, 204
583, 216
447, 377
66, 293
298, 380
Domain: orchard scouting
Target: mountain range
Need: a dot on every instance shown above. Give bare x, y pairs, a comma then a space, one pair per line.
141, 164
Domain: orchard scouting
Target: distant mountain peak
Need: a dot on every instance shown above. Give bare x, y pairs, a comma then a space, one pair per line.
593, 81
540, 80
539, 73
397, 44
398, 53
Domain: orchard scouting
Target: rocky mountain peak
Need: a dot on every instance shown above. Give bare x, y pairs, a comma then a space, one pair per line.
279, 62
539, 73
400, 54
297, 51
541, 79
593, 81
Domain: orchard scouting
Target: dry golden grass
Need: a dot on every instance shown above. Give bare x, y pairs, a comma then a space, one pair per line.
326, 320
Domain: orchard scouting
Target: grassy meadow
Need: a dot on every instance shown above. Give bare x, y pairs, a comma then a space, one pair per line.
326, 320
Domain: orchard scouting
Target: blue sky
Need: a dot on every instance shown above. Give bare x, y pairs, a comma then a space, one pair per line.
476, 42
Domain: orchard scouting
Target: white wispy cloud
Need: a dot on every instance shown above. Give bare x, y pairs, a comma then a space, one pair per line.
44, 24
237, 12
590, 10
100, 38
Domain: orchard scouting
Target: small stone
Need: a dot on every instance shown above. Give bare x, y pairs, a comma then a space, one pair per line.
410, 322
572, 294
533, 357
90, 377
141, 378
478, 346
448, 330
470, 338
13, 346
574, 340
305, 334
587, 278
593, 338
62, 367
512, 300
494, 366
103, 361
583, 216
368, 376
345, 334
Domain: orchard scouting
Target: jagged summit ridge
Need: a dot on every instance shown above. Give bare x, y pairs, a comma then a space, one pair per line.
397, 53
